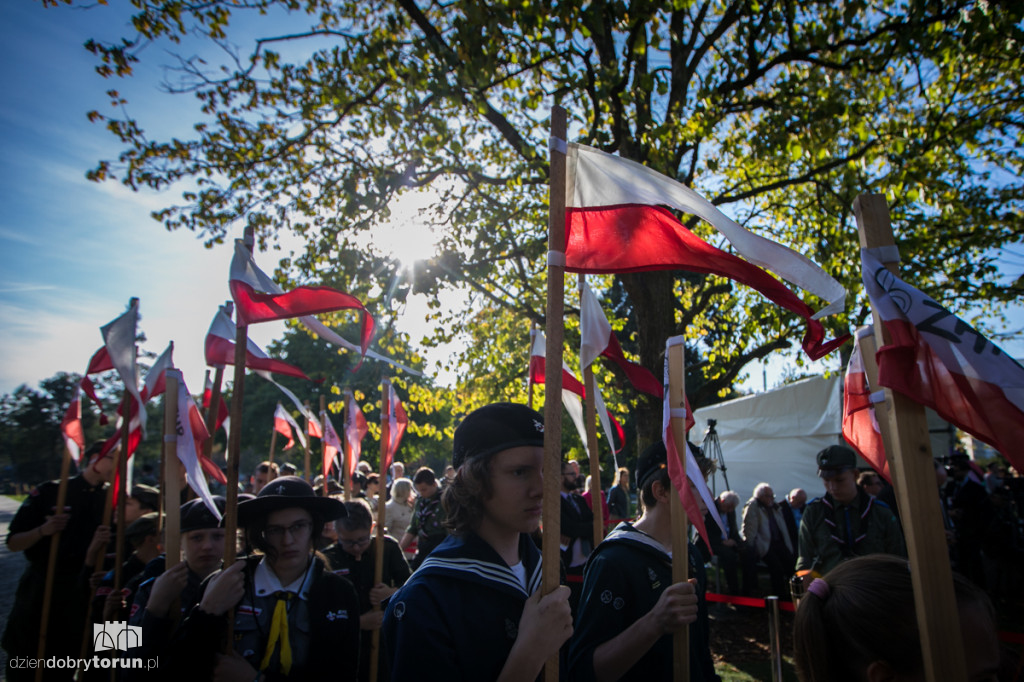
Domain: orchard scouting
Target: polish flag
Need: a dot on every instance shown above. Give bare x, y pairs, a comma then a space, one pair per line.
936, 359
155, 383
597, 339
191, 436
860, 426
71, 426
260, 299
675, 464
223, 414
220, 349
313, 428
332, 445
99, 362
283, 424
397, 422
538, 353
119, 340
615, 222
356, 429
573, 394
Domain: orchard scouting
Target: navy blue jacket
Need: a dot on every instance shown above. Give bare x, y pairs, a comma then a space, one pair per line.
458, 616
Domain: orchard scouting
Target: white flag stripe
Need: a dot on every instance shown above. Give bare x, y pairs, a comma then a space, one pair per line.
119, 338
186, 447
595, 330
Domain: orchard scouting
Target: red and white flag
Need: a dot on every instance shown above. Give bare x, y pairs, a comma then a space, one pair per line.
313, 428
223, 414
597, 339
286, 426
259, 298
192, 434
332, 445
397, 422
356, 429
860, 425
573, 394
220, 349
938, 360
156, 382
71, 426
119, 340
675, 462
615, 222
99, 362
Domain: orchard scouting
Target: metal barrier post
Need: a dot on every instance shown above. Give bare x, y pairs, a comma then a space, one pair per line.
773, 635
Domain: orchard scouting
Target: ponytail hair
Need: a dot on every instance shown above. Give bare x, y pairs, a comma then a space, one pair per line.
865, 614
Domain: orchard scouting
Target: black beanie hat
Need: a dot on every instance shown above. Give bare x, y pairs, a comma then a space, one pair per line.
195, 515
496, 427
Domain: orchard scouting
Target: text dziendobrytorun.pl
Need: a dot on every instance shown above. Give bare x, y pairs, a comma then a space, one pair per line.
85, 664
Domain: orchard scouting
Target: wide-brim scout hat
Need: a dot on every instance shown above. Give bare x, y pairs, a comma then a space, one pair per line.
289, 492
195, 515
496, 427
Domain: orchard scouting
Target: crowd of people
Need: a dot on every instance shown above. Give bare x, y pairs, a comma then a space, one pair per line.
450, 586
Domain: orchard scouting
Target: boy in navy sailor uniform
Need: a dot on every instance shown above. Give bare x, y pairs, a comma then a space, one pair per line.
473, 610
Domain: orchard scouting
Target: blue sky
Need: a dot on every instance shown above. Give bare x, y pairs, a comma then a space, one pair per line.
73, 252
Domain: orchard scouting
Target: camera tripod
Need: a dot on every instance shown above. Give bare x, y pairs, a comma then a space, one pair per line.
713, 450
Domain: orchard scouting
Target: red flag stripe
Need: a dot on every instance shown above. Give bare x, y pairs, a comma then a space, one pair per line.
635, 238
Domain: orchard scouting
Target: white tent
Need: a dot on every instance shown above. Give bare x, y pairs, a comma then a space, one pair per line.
773, 437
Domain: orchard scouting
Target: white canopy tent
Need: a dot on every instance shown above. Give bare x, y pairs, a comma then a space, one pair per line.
773, 437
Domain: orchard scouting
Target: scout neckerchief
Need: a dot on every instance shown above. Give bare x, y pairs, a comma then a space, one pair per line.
847, 543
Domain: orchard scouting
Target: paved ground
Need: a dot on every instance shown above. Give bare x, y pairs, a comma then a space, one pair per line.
11, 566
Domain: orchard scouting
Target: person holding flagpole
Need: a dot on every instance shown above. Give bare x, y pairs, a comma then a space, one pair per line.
293, 618
31, 531
354, 557
473, 610
629, 606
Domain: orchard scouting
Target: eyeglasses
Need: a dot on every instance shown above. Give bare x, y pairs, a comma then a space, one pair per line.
358, 542
298, 529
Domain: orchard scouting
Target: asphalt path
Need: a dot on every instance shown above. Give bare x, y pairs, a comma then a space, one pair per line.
12, 564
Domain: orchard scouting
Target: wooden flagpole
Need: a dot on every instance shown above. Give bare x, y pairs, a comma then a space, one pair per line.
122, 491
51, 562
213, 409
273, 443
551, 518
913, 471
378, 558
235, 447
307, 464
323, 444
347, 447
590, 382
172, 507
680, 547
